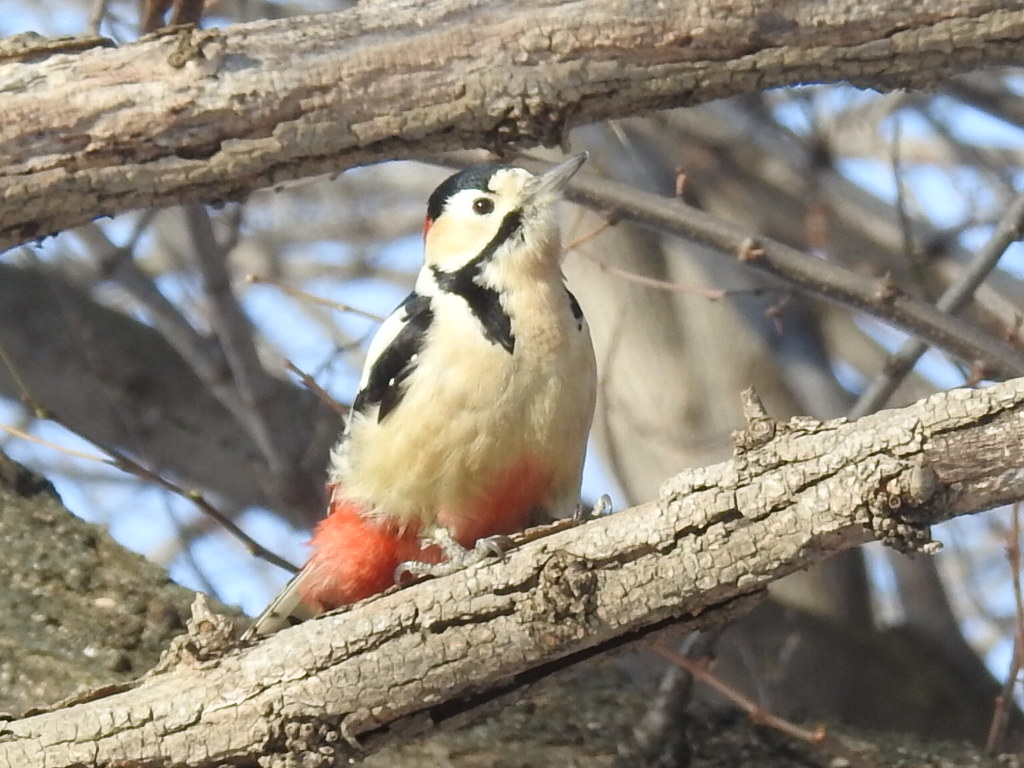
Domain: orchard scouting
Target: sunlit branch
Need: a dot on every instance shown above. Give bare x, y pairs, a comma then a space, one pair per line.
879, 298
952, 300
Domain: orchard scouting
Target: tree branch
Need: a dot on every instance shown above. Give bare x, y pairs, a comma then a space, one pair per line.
118, 383
249, 382
793, 494
205, 115
878, 297
953, 299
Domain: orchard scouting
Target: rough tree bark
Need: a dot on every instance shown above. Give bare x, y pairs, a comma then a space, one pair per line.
792, 494
76, 609
224, 112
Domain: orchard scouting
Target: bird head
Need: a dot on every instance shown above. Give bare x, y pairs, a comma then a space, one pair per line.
495, 212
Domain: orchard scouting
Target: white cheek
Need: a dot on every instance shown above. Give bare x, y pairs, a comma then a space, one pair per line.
455, 240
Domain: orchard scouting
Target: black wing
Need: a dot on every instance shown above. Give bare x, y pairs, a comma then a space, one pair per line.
577, 311
392, 366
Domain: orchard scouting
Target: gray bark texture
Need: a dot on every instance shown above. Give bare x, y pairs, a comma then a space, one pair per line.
76, 609
225, 112
792, 494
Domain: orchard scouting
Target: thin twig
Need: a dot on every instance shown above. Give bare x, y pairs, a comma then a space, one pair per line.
658, 731
117, 459
320, 392
28, 437
8, 363
125, 464
313, 299
1004, 701
204, 358
902, 214
651, 282
819, 736
956, 296
748, 705
996, 172
711, 294
185, 549
586, 238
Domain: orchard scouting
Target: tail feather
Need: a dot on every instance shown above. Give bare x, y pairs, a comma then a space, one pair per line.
285, 610
355, 555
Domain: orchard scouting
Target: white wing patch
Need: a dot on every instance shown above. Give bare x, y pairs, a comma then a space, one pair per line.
386, 334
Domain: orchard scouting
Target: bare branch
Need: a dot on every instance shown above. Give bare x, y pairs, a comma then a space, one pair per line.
793, 494
204, 356
1004, 702
234, 331
125, 464
876, 297
955, 298
254, 105
698, 668
309, 297
120, 384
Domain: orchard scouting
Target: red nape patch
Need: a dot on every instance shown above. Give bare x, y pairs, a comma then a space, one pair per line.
427, 224
505, 506
355, 556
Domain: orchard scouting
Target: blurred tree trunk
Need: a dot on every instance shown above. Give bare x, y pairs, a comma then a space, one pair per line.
691, 349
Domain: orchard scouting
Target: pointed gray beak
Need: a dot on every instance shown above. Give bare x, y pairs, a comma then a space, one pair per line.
550, 183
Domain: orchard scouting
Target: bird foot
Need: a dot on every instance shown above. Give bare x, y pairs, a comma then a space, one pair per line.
456, 556
603, 506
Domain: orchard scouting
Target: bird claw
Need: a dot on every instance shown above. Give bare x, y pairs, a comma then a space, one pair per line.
491, 546
457, 557
603, 506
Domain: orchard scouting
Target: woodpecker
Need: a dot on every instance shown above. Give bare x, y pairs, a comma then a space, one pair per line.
475, 400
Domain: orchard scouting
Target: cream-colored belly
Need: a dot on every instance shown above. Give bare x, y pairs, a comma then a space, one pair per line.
471, 410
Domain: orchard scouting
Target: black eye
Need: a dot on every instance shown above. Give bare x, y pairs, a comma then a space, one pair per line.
483, 206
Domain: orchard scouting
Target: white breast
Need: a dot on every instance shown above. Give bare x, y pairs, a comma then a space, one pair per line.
470, 407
